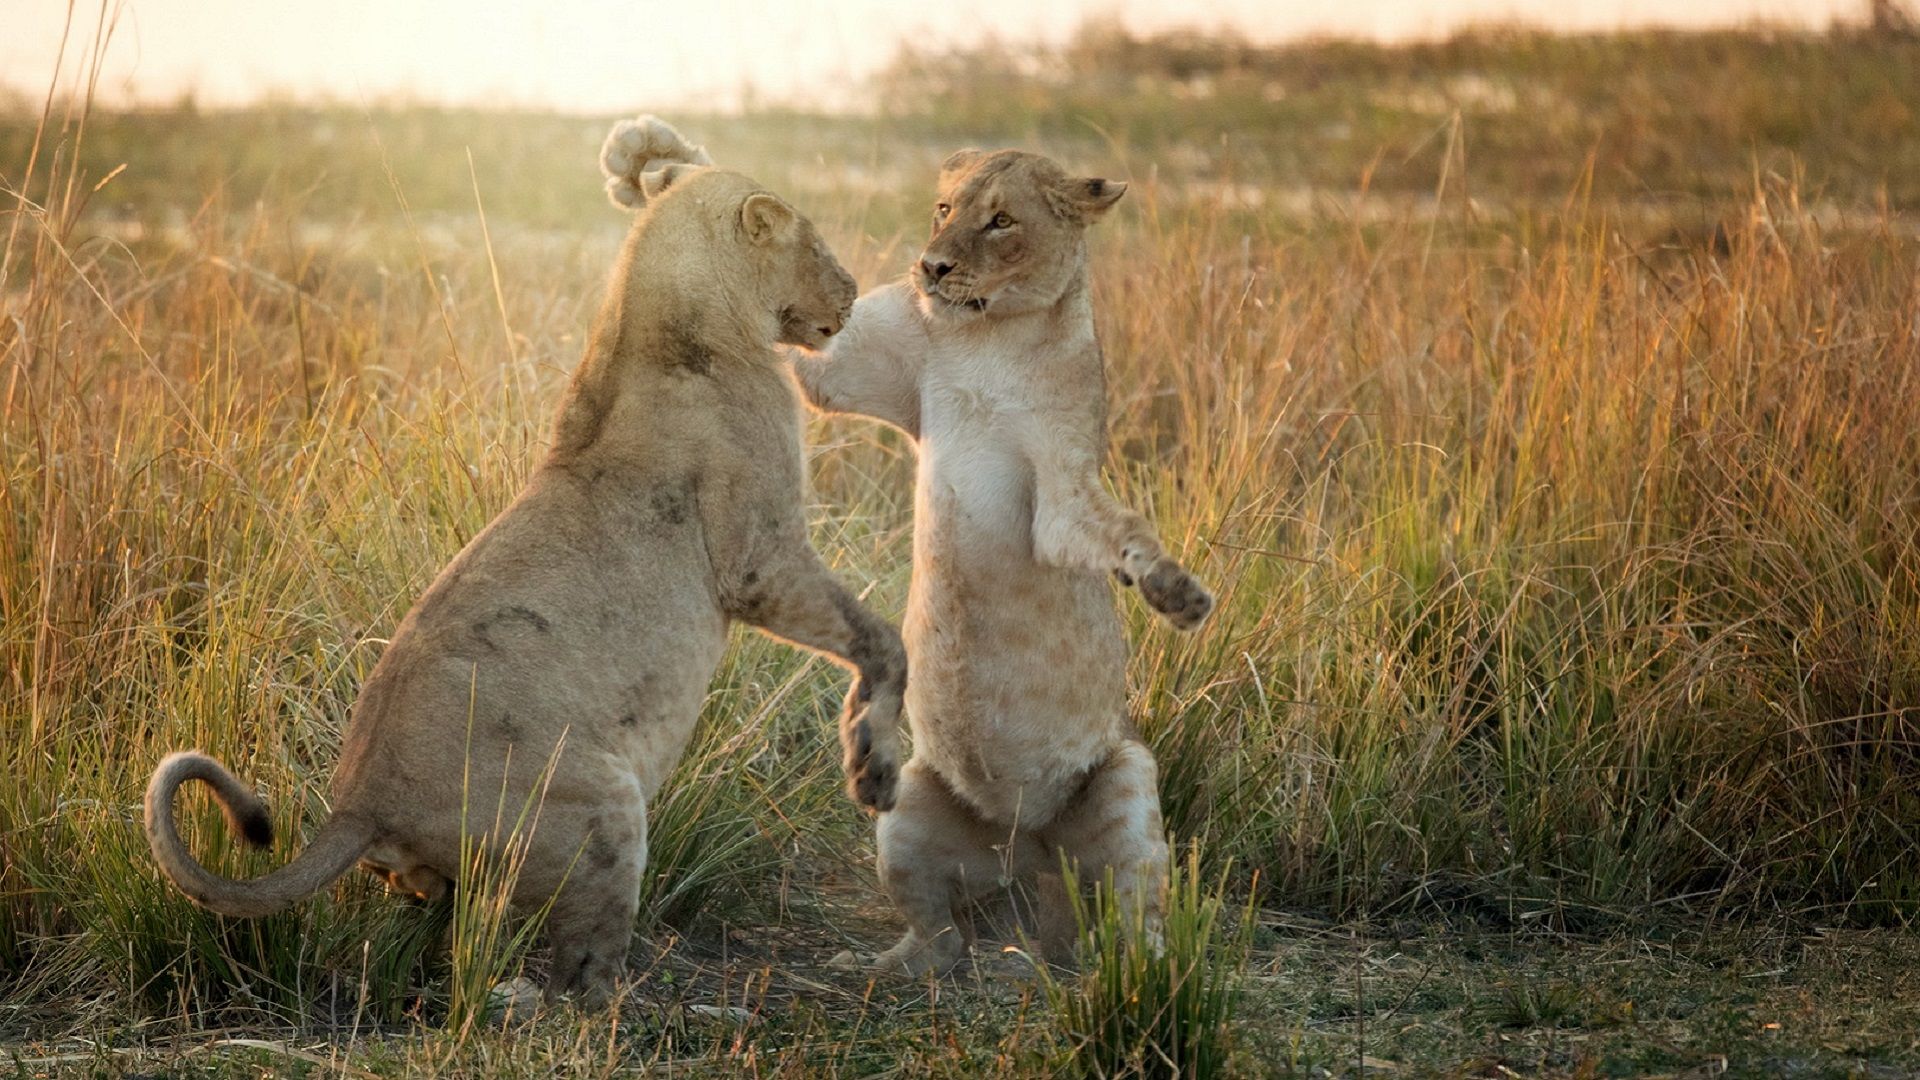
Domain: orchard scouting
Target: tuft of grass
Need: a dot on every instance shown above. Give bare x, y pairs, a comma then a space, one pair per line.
1151, 1003
1532, 1004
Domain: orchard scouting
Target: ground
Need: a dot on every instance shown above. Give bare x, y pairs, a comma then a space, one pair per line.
1319, 999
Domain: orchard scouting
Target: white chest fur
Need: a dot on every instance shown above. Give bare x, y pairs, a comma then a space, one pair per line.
975, 421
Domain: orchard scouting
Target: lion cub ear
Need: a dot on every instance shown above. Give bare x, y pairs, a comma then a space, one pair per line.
764, 218
960, 161
655, 182
1084, 200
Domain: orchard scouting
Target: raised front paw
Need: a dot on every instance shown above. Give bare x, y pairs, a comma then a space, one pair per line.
1175, 594
872, 760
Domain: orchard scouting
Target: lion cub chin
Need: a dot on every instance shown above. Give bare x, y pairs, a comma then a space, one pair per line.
1022, 750
557, 666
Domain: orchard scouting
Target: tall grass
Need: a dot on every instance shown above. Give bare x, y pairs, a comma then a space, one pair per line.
1578, 570
1569, 555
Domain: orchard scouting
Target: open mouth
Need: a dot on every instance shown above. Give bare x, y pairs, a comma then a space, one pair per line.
978, 303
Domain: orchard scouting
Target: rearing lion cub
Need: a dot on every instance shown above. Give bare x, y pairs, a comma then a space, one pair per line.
582, 626
1022, 749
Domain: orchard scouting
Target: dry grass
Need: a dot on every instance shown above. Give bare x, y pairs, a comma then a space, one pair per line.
1568, 544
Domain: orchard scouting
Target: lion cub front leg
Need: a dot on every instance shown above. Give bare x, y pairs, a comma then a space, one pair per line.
1078, 524
797, 599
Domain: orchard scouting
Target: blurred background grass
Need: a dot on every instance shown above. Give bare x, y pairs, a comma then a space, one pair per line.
1545, 410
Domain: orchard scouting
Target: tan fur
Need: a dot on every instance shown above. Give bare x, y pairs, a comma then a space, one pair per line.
582, 626
1022, 747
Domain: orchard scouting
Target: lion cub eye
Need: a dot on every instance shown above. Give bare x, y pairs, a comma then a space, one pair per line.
1000, 220
942, 210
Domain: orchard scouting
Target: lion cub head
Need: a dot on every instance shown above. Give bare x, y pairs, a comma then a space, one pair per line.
1009, 233
775, 251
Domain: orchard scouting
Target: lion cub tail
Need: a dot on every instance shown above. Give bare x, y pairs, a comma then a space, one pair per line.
639, 146
334, 850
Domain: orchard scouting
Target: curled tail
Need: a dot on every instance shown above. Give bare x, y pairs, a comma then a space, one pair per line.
338, 845
637, 147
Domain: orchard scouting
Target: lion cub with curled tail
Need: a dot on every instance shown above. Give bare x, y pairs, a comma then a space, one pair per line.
561, 659
1022, 749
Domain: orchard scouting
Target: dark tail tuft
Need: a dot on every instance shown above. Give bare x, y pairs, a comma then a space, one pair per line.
257, 827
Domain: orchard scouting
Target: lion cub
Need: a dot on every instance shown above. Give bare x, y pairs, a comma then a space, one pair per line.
581, 627
1022, 749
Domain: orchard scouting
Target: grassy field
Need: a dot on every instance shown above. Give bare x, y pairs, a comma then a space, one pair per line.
1546, 413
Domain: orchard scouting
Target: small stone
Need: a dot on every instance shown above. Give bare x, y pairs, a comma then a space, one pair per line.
513, 999
733, 1013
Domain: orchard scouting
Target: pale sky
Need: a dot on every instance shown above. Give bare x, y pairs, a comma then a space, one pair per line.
618, 55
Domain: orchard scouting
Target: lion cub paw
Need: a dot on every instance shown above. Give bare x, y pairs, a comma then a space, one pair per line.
1175, 594
872, 760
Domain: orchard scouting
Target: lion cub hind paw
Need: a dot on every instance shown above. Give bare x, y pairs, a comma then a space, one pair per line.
1170, 590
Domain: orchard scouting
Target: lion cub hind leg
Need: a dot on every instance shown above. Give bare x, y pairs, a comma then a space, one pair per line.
1114, 825
936, 858
591, 921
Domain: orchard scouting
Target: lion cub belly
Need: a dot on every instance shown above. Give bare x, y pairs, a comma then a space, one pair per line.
1018, 679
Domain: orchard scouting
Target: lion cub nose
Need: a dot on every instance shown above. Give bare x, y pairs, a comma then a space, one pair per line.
936, 270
